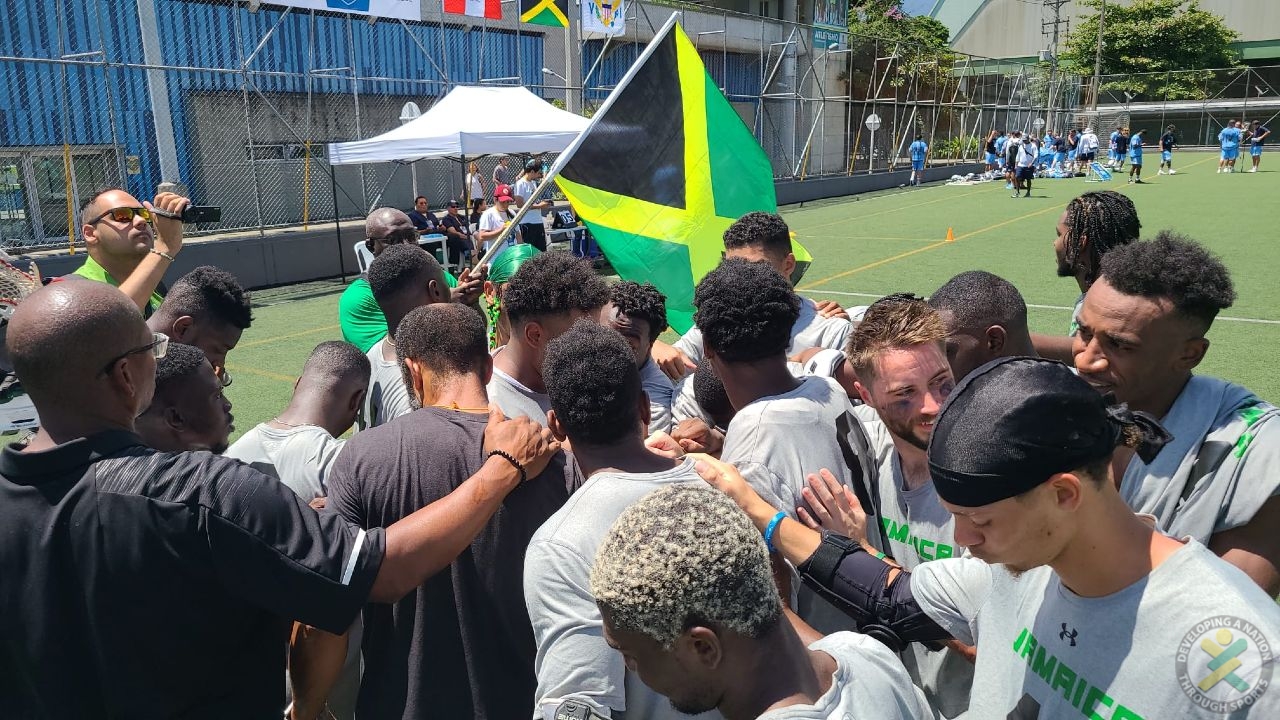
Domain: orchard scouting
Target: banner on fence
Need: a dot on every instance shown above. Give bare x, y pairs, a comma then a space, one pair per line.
400, 9
604, 17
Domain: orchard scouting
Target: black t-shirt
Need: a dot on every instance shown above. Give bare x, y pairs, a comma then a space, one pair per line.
456, 222
142, 584
461, 645
1122, 144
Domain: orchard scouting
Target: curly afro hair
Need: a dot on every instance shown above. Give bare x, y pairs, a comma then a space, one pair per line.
594, 384
1173, 267
209, 293
766, 231
399, 268
641, 302
685, 556
553, 283
745, 311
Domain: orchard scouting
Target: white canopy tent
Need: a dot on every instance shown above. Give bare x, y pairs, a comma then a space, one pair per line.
468, 122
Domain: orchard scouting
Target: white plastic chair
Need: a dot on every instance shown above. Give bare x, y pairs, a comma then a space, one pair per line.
363, 256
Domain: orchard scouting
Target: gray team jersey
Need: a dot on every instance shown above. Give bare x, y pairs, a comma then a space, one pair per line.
918, 529
868, 684
516, 400
573, 659
1194, 634
387, 398
661, 392
811, 330
299, 457
1220, 468
777, 440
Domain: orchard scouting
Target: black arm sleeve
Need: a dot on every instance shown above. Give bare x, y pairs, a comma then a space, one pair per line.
841, 571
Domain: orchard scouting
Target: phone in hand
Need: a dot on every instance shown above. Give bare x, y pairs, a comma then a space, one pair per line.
201, 214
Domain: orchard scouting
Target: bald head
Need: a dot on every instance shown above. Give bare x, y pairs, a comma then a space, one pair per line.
63, 336
388, 226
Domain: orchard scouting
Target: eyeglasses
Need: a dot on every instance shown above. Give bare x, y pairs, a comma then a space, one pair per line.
158, 347
124, 215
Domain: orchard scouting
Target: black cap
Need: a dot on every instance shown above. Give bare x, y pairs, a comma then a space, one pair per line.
532, 164
1013, 423
453, 203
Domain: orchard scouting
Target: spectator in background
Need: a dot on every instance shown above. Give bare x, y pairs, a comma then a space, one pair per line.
188, 410
457, 233
502, 172
209, 309
299, 445
424, 221
124, 249
532, 229
474, 186
494, 219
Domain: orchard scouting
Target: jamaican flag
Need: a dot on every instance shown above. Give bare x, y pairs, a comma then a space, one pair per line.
665, 170
545, 12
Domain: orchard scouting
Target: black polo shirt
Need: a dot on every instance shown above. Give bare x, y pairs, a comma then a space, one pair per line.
143, 584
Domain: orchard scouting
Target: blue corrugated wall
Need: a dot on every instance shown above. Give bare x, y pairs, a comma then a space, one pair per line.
200, 34
737, 73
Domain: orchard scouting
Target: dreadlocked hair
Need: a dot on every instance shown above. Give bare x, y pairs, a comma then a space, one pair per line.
1108, 220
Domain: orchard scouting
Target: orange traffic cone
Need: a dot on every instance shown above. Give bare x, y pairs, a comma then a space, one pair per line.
951, 236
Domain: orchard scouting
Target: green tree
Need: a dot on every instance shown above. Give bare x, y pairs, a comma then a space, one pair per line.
1157, 49
922, 45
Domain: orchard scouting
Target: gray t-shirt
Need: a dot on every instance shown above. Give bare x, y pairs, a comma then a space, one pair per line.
868, 684
811, 330
661, 392
299, 457
776, 441
1140, 653
1220, 467
573, 659
387, 398
919, 529
516, 400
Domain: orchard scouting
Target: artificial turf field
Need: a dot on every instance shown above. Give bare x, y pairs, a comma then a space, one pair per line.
870, 245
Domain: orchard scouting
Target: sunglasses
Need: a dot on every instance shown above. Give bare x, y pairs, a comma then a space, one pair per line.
123, 215
158, 347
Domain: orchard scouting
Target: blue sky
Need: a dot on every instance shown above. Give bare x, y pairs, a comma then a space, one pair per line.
917, 7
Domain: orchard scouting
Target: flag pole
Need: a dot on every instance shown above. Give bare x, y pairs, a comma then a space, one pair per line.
564, 157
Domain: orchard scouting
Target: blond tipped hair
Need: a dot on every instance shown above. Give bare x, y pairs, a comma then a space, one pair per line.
685, 555
895, 322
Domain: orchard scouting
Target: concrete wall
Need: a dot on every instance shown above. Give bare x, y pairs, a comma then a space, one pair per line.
790, 193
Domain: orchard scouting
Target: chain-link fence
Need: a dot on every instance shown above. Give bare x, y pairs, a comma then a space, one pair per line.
238, 103
1198, 103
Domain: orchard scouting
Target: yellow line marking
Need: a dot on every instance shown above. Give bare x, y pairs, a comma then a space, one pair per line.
260, 373
278, 338
868, 266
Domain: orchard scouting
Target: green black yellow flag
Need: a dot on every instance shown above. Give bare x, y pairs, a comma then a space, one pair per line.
664, 171
545, 12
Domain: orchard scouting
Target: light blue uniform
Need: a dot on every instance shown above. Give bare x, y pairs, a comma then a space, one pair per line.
918, 151
1230, 139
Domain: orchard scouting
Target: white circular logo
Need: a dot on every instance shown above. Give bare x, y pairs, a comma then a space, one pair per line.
1224, 664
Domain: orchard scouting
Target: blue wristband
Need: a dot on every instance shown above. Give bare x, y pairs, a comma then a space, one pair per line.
768, 531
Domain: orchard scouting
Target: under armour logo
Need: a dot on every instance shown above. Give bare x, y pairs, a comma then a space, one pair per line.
1068, 634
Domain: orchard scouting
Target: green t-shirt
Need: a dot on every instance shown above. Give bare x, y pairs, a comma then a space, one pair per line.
362, 321
91, 270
